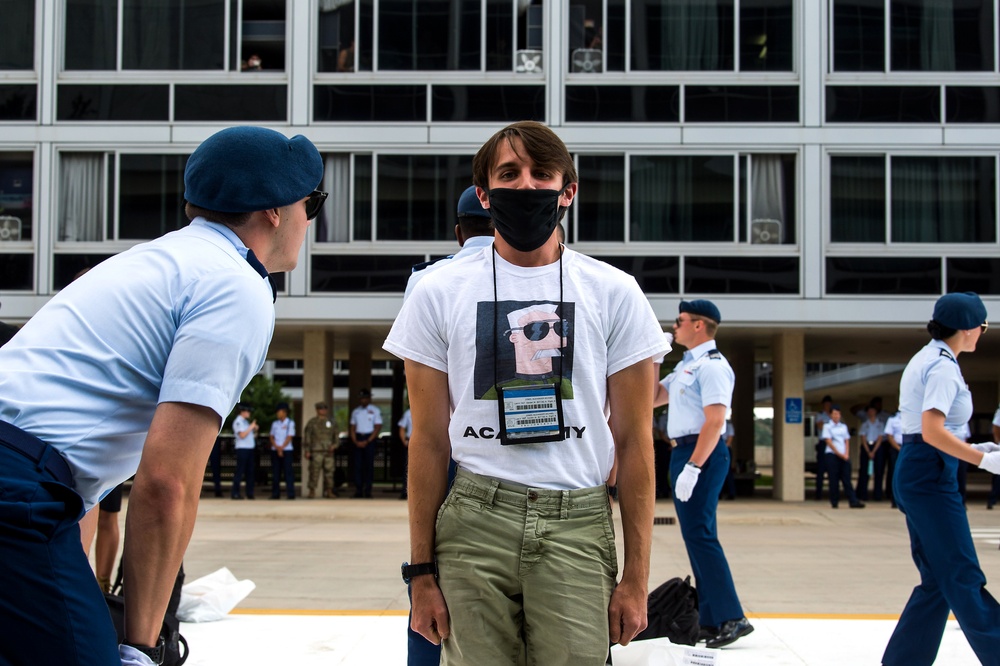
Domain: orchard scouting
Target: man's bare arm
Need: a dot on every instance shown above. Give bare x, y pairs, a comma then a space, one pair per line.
427, 483
162, 507
631, 413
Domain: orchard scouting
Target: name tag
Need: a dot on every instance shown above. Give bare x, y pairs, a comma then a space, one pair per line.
530, 414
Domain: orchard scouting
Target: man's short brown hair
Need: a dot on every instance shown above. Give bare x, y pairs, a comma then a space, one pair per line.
231, 220
542, 145
711, 326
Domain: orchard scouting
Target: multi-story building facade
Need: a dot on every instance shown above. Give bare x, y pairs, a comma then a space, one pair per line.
822, 170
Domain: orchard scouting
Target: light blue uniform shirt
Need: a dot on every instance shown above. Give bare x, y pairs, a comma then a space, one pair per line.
894, 427
871, 430
933, 380
183, 318
702, 378
838, 434
240, 424
280, 430
406, 422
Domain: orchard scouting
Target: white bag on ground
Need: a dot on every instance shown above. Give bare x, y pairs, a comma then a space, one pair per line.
661, 652
211, 597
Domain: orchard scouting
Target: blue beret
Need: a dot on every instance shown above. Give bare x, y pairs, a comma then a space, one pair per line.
703, 308
962, 312
469, 204
246, 169
281, 405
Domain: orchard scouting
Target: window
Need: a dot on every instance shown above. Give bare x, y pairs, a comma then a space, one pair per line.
415, 201
18, 102
680, 35
362, 273
174, 35
949, 199
149, 200
17, 194
924, 35
895, 276
17, 35
432, 35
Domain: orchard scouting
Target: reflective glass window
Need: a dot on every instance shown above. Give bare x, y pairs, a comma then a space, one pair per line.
682, 198
17, 34
361, 273
231, 102
487, 103
978, 274
151, 202
859, 35
655, 275
972, 104
935, 36
943, 199
600, 199
749, 104
17, 195
857, 199
884, 275
16, 271
741, 275
112, 102
370, 103
18, 102
639, 104
66, 267
883, 104
417, 195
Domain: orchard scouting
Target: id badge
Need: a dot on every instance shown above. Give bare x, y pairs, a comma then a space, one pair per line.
530, 414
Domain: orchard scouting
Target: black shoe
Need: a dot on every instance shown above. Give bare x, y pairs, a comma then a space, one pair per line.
990, 506
729, 632
358, 495
274, 497
236, 497
251, 497
858, 505
707, 633
833, 506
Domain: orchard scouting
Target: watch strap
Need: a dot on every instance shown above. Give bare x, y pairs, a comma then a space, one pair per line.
154, 653
411, 571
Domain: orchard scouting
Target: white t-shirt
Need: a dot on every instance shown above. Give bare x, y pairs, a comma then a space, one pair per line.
603, 324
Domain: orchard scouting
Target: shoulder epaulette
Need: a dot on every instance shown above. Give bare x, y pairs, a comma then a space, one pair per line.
947, 354
421, 266
715, 353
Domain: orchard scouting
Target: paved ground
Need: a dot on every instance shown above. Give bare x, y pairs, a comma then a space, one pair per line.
823, 586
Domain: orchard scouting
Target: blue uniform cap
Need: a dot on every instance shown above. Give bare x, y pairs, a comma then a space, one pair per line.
281, 405
246, 169
703, 308
468, 204
962, 312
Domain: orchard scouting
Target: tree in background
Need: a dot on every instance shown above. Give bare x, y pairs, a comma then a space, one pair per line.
263, 394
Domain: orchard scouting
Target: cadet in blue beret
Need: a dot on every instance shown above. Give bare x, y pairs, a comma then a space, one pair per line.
473, 231
935, 405
700, 391
96, 390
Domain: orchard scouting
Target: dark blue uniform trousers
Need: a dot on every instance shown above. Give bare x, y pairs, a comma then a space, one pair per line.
51, 608
926, 491
717, 600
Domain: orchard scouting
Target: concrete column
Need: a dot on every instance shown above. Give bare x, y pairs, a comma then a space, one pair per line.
788, 351
317, 383
361, 373
742, 361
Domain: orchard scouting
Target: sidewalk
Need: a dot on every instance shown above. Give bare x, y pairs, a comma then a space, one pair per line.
822, 586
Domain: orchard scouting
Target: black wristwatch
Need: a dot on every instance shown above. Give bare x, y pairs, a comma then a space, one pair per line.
154, 653
411, 571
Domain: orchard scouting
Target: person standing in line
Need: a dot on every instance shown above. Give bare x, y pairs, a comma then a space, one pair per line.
317, 447
130, 370
366, 424
282, 432
995, 481
729, 487
405, 425
838, 459
870, 432
934, 401
245, 443
894, 438
662, 449
699, 392
822, 418
586, 335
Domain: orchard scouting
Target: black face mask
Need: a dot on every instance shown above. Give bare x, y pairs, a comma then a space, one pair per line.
525, 218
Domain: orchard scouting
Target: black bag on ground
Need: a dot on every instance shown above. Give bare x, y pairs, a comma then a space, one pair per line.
672, 612
173, 642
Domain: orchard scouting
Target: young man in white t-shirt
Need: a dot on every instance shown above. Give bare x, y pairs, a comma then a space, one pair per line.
519, 563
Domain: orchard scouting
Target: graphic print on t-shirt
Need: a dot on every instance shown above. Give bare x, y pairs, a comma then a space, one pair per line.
533, 341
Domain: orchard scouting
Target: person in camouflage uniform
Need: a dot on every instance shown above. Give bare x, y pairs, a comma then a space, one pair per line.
318, 443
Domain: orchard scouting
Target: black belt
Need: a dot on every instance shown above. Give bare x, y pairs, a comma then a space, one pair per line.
686, 439
42, 454
913, 439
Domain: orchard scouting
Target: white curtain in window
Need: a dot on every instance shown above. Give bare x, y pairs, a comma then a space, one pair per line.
334, 223
81, 192
937, 36
767, 190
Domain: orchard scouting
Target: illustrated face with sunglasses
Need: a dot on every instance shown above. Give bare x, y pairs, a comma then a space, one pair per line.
537, 339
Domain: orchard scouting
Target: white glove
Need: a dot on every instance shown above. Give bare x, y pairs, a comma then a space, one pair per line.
686, 481
986, 447
132, 657
991, 462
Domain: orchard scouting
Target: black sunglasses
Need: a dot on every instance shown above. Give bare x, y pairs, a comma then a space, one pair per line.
984, 327
537, 330
314, 204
